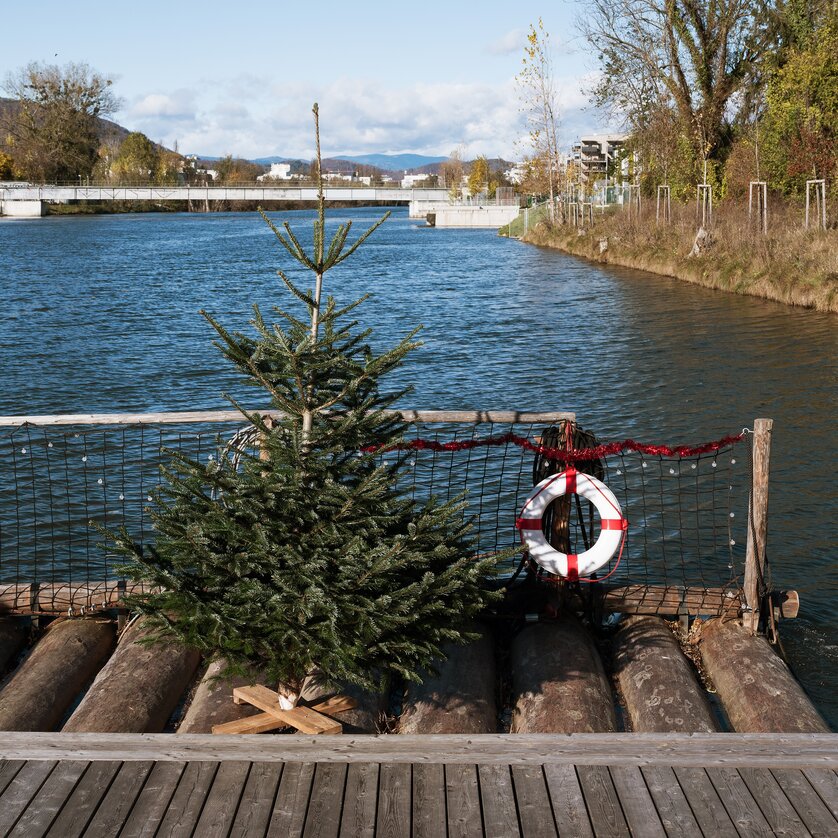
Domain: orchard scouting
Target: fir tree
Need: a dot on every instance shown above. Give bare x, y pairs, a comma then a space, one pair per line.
310, 553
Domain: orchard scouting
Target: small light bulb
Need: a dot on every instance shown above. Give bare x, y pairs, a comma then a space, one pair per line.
22, 450
733, 462
672, 471
84, 458
732, 543
122, 497
714, 464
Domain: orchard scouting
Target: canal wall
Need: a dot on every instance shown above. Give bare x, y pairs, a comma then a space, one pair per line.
22, 209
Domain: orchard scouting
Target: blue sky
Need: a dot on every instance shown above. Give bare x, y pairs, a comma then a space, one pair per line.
240, 77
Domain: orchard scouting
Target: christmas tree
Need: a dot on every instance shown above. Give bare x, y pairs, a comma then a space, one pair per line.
310, 553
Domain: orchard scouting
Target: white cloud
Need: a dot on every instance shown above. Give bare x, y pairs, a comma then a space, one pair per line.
251, 117
512, 41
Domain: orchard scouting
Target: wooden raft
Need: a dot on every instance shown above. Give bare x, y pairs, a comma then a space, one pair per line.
582, 785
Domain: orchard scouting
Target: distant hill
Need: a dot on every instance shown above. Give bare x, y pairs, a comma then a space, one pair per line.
393, 162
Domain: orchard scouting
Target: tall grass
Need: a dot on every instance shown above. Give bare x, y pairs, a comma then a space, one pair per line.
788, 264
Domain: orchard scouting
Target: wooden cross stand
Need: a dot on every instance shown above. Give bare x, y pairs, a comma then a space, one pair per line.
314, 719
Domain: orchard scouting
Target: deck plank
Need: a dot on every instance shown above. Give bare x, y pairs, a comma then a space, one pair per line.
25, 785
772, 802
291, 803
636, 802
705, 803
222, 800
825, 783
84, 800
394, 792
806, 802
188, 800
360, 801
429, 817
326, 803
257, 801
118, 801
534, 810
497, 799
568, 801
151, 804
51, 797
670, 801
744, 811
8, 770
602, 802
462, 800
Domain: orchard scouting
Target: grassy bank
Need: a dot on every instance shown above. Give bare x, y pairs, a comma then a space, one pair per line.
789, 265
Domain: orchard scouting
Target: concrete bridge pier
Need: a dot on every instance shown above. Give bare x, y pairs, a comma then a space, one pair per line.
22, 209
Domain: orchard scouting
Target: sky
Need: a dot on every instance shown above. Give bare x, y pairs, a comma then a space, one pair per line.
240, 77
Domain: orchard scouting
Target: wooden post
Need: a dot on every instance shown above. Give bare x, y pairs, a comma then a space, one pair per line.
757, 522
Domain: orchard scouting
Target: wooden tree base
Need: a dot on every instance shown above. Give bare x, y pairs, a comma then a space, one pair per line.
314, 719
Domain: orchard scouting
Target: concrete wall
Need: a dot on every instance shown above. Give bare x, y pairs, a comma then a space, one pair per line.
475, 216
21, 209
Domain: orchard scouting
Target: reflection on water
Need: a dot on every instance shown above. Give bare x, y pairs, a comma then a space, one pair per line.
100, 314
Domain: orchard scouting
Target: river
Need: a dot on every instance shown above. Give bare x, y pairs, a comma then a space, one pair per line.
99, 314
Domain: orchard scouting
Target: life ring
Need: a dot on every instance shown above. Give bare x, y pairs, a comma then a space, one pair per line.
569, 482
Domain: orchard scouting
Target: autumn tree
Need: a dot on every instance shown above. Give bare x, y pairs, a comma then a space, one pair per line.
539, 104
53, 130
8, 171
693, 55
478, 176
137, 161
451, 172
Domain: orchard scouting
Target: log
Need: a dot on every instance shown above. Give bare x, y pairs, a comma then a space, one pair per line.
461, 697
658, 684
12, 638
213, 703
366, 717
139, 687
756, 688
45, 685
559, 682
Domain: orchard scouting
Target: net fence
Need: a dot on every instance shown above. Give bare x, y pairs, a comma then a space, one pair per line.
687, 511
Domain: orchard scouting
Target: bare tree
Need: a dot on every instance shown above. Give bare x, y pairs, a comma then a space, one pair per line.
451, 172
693, 54
539, 105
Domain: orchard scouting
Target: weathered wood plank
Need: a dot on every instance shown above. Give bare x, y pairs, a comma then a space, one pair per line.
185, 807
222, 800
701, 750
744, 811
84, 800
25, 785
462, 795
670, 801
534, 810
428, 800
152, 802
637, 804
257, 801
8, 770
47, 803
568, 801
806, 802
119, 799
772, 802
705, 803
360, 801
292, 800
326, 803
825, 783
604, 808
497, 797
394, 786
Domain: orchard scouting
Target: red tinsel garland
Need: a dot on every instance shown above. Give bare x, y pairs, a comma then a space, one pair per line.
564, 455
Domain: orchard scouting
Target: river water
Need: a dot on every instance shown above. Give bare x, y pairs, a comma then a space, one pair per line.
99, 314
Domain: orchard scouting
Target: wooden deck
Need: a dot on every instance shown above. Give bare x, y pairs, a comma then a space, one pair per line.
66, 785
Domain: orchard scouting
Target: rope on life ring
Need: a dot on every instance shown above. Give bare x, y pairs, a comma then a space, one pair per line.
568, 565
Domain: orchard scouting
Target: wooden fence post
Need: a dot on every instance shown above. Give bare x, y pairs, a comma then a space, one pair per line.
757, 522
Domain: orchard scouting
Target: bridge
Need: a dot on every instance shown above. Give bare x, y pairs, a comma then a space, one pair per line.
29, 200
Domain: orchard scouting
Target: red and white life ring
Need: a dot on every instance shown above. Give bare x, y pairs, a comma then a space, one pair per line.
569, 482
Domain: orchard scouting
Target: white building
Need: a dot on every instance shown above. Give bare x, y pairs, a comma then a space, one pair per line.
595, 154
279, 171
409, 181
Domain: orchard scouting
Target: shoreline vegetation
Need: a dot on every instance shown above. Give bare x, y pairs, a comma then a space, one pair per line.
788, 264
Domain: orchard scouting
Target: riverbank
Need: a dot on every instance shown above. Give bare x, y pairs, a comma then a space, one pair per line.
788, 265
